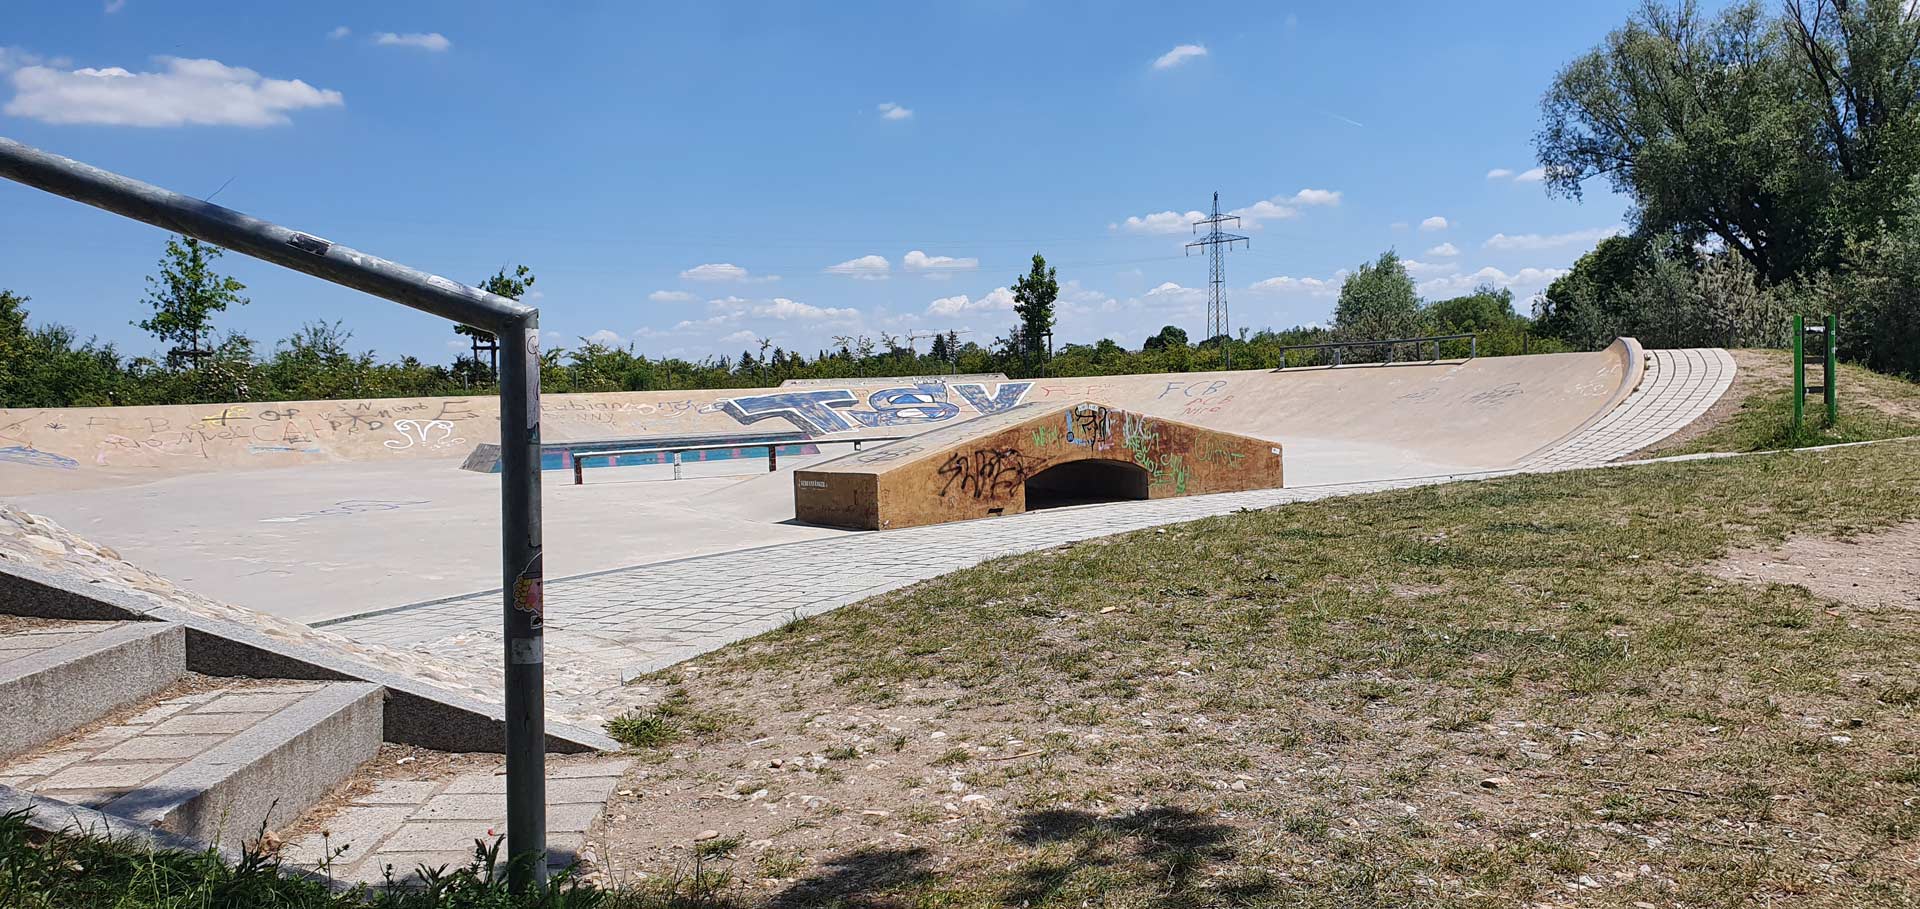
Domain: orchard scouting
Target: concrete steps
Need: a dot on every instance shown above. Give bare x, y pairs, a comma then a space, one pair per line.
57, 676
103, 715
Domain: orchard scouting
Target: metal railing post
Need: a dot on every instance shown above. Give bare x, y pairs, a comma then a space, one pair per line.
517, 327
525, 605
676, 465
578, 476
773, 458
1473, 347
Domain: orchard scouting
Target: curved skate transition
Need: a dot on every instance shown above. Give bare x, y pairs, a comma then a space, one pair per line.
1028, 457
319, 509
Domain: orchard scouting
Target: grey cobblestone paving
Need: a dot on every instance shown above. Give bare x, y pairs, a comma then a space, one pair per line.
606, 628
401, 825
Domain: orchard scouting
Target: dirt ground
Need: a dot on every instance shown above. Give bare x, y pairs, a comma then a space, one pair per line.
1872, 571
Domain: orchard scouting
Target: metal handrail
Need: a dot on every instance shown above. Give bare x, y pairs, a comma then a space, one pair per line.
1339, 347
773, 452
515, 324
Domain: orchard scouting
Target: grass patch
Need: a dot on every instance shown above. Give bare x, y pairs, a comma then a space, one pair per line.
672, 720
1477, 694
1872, 406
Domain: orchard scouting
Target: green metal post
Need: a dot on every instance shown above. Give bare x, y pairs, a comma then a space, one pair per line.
1833, 369
1799, 372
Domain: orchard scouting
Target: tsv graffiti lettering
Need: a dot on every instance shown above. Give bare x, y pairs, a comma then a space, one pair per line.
831, 410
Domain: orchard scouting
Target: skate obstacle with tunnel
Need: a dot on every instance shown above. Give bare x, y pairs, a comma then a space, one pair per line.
1030, 456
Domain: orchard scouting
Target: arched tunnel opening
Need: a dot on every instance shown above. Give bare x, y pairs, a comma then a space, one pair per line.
1086, 482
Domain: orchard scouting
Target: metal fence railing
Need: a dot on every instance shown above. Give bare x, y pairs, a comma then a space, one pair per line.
1337, 350
517, 327
773, 453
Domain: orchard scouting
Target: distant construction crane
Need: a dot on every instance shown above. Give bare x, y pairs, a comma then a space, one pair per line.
1217, 243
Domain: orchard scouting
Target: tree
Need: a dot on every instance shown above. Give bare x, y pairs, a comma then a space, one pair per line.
1033, 299
185, 296
939, 349
1167, 337
1782, 139
504, 285
1378, 302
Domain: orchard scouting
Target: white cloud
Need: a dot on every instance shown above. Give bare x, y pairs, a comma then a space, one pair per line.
114, 6
724, 271
339, 31
1434, 223
605, 337
1420, 269
1170, 294
1551, 241
427, 41
783, 309
1533, 175
998, 299
917, 260
892, 111
1313, 287
672, 296
1165, 222
1264, 210
742, 336
1280, 208
865, 268
1444, 250
185, 92
1179, 55
1524, 283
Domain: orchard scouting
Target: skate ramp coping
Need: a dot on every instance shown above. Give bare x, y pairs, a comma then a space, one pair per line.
1029, 456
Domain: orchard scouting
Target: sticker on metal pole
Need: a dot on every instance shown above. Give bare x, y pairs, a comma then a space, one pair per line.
527, 651
529, 596
533, 377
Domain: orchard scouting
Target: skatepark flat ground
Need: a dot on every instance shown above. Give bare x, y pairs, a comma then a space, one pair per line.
327, 540
371, 510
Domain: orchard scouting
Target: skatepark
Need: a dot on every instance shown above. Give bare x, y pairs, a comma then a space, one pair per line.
352, 541
316, 511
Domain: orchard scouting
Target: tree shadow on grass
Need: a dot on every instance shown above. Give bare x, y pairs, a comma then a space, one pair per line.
1161, 850
861, 878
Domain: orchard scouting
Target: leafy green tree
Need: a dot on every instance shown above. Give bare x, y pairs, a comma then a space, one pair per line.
1378, 302
1033, 299
185, 296
513, 287
1168, 336
1780, 138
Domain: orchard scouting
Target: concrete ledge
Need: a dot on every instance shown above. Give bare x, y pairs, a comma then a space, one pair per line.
417, 713
54, 816
267, 774
55, 691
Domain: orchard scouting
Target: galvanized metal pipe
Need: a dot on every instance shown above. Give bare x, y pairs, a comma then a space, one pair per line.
517, 327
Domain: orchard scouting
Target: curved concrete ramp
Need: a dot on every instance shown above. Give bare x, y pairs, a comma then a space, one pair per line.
1008, 462
1340, 424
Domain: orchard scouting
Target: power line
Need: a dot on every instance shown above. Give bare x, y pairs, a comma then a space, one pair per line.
1217, 243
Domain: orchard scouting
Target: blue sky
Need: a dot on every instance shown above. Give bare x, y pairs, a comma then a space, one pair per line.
688, 177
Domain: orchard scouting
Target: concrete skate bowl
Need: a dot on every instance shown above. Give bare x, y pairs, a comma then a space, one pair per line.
327, 508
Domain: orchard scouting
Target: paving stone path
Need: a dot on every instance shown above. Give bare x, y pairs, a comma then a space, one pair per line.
401, 825
608, 627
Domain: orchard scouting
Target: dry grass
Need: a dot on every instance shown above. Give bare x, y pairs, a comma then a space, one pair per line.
1488, 694
1756, 414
